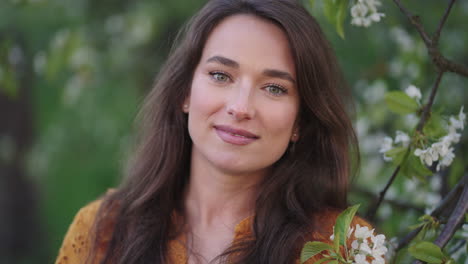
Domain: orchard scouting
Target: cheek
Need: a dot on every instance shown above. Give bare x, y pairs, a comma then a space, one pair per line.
280, 120
203, 99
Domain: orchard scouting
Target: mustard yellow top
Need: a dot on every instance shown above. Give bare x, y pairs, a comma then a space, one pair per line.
76, 245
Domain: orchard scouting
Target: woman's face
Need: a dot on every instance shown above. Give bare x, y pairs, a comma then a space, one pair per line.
243, 101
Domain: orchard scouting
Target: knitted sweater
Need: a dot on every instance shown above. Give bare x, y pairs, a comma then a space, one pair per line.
77, 241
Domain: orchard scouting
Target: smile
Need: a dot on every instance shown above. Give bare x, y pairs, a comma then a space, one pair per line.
235, 136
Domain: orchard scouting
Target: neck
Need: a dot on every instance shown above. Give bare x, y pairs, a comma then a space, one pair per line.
216, 197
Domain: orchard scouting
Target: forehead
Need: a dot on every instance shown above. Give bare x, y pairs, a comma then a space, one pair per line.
251, 41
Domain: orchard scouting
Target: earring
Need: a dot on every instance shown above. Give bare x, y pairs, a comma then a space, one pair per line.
294, 137
185, 106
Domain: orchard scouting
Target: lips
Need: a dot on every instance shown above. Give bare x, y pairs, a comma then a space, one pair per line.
235, 136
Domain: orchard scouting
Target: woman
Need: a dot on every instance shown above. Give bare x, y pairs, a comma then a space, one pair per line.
245, 147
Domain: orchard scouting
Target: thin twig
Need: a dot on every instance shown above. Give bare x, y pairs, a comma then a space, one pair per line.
459, 244
427, 108
402, 205
415, 20
439, 60
373, 209
424, 117
442, 64
435, 38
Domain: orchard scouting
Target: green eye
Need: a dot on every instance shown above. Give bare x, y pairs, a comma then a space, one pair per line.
219, 76
275, 90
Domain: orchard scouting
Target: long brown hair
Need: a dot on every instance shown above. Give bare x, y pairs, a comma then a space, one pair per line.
311, 175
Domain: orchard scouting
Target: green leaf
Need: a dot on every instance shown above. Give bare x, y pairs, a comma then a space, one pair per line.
413, 167
340, 17
418, 225
397, 154
329, 9
342, 224
434, 126
311, 249
450, 261
336, 241
401, 103
335, 11
427, 251
323, 260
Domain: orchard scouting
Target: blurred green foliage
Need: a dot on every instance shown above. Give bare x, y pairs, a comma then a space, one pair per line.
93, 61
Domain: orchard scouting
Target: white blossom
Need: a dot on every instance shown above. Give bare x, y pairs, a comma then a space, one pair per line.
413, 92
355, 244
362, 232
427, 156
359, 10
378, 239
364, 248
458, 123
360, 259
402, 137
387, 145
364, 12
446, 160
378, 261
451, 137
367, 246
440, 148
455, 123
462, 116
350, 232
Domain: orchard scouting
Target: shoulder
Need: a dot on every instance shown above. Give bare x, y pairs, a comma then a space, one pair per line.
325, 220
75, 246
79, 237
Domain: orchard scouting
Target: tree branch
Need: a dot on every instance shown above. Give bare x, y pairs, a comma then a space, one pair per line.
442, 64
435, 38
439, 60
446, 203
402, 205
416, 21
455, 220
373, 208
445, 64
428, 106
424, 117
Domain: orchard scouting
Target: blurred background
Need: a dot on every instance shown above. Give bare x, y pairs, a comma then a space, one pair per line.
74, 72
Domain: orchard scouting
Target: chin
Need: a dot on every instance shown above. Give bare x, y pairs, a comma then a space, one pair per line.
235, 165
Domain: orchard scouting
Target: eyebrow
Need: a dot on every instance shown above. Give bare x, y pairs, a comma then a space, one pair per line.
225, 61
267, 72
279, 74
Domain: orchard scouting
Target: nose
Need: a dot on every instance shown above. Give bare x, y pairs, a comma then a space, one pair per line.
239, 105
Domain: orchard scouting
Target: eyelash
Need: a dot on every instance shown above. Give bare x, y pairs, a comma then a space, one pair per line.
274, 85
277, 86
213, 73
